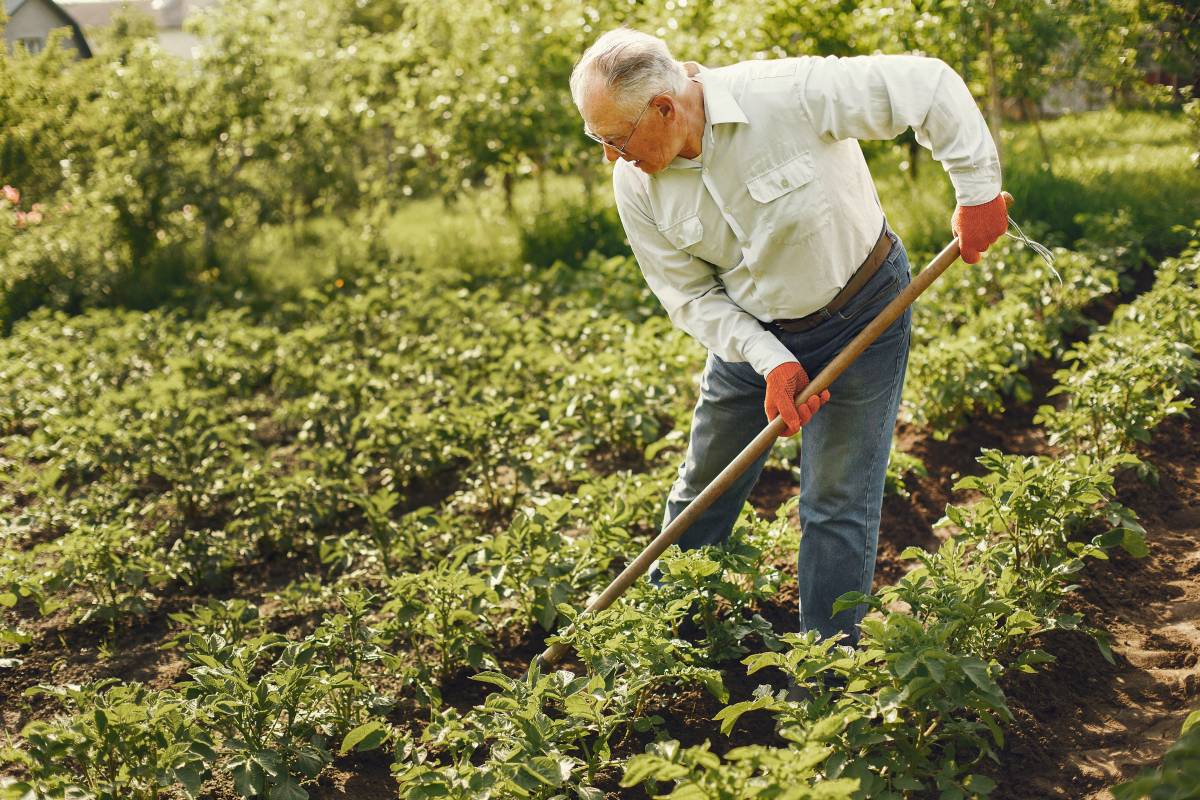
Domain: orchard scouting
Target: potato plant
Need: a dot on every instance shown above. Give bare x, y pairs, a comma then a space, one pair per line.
527, 741
1123, 381
972, 361
265, 698
441, 617
113, 741
382, 442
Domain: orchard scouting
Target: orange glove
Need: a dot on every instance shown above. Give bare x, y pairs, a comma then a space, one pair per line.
978, 226
783, 384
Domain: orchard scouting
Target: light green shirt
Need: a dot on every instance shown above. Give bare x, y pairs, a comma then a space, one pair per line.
779, 209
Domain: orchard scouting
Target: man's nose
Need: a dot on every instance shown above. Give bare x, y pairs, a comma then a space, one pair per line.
610, 153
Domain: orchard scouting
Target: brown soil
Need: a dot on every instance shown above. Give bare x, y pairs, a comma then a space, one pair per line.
1083, 724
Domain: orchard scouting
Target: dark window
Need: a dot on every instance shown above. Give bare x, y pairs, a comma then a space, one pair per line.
33, 44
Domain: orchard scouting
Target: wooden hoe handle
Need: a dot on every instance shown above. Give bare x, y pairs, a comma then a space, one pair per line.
761, 443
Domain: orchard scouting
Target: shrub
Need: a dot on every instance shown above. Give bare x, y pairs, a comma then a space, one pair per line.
571, 231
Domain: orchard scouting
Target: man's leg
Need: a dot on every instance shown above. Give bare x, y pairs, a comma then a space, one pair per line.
728, 415
843, 463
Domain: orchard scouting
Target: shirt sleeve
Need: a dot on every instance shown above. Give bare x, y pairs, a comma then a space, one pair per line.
878, 97
688, 288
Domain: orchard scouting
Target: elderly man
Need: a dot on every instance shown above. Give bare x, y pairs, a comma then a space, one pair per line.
755, 221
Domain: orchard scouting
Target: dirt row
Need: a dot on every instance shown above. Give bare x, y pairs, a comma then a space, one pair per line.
1082, 724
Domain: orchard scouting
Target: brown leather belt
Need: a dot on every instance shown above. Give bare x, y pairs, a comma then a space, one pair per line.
859, 279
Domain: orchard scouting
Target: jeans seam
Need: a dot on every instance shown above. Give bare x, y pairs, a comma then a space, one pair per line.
862, 578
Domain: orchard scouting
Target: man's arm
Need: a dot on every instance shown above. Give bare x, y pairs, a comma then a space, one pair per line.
689, 290
877, 97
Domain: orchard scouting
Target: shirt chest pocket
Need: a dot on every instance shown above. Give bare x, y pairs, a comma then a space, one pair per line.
789, 204
688, 235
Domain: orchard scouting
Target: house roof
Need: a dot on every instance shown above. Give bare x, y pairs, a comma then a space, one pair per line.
165, 13
95, 15
12, 6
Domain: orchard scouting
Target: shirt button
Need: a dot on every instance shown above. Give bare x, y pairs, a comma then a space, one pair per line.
728, 209
786, 183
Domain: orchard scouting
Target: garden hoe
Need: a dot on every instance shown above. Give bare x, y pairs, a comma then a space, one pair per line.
763, 442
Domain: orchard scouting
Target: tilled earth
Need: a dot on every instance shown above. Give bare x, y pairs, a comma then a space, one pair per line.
1081, 723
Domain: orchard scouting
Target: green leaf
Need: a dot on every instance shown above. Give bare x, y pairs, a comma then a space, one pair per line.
853, 599
715, 685
547, 771
288, 789
367, 736
980, 784
977, 671
1102, 643
248, 777
642, 768
503, 681
1134, 543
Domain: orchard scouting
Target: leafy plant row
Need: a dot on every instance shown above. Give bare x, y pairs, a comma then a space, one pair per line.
965, 615
189, 487
147, 464
1128, 376
981, 326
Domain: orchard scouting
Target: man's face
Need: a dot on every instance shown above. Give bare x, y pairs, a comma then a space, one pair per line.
649, 141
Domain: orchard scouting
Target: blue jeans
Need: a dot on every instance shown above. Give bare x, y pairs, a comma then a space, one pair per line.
843, 454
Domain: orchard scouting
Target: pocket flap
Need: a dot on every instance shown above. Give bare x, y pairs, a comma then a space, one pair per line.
684, 233
781, 179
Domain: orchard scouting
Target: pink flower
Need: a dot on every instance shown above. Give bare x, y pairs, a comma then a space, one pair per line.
20, 219
11, 194
38, 207
34, 217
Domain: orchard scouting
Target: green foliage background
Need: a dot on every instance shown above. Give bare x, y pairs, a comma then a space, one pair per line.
155, 176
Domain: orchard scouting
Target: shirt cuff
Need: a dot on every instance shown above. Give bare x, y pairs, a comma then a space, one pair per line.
976, 187
765, 352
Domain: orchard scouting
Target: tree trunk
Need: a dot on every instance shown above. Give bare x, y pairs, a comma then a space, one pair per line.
508, 191
1031, 111
993, 85
543, 201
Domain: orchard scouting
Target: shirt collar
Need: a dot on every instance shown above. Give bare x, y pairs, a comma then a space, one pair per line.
719, 108
719, 105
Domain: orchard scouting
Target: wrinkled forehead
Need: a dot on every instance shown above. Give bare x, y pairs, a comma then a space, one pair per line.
599, 111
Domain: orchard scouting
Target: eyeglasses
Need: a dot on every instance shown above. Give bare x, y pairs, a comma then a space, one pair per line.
609, 142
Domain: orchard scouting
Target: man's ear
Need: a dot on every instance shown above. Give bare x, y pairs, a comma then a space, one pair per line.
692, 68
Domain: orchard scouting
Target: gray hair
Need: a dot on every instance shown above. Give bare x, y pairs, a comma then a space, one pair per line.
632, 65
